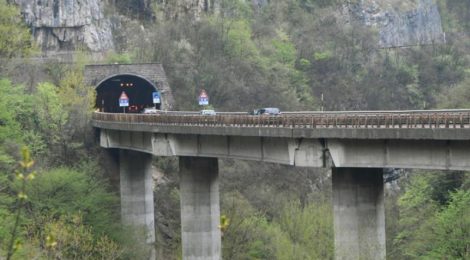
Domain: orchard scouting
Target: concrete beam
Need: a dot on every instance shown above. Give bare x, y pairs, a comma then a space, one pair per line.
137, 208
137, 141
359, 213
303, 152
299, 152
420, 154
200, 209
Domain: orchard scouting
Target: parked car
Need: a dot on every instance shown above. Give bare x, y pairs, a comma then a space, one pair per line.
133, 109
266, 111
208, 112
150, 110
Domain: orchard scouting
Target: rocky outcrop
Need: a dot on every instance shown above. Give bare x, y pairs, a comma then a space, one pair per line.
402, 23
64, 25
185, 8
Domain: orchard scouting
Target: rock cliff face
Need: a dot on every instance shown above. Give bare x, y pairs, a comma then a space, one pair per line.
400, 23
63, 25
189, 8
60, 26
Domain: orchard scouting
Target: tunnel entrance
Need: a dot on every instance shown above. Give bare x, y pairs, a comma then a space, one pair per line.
139, 91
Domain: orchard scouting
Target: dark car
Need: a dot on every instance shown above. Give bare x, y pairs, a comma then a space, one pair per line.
266, 111
253, 112
133, 109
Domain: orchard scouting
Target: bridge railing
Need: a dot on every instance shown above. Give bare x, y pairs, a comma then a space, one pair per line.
437, 119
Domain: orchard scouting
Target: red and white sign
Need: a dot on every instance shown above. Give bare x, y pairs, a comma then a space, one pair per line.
203, 94
123, 100
203, 98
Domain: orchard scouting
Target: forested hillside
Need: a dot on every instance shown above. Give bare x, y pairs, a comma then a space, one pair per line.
57, 200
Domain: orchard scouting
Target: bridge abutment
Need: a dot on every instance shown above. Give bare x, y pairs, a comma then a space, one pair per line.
136, 186
200, 208
359, 213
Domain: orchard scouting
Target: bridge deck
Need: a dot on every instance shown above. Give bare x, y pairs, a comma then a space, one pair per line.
435, 125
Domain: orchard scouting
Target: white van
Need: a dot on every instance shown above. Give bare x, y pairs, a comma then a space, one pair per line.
150, 110
208, 112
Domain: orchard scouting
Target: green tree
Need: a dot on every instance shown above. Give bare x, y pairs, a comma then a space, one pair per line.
239, 44
10, 129
452, 228
116, 58
64, 191
71, 239
433, 220
77, 101
455, 15
416, 209
51, 117
457, 96
284, 49
246, 237
22, 176
15, 38
310, 229
65, 213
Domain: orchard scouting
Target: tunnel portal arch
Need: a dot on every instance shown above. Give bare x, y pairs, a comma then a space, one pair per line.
138, 89
146, 78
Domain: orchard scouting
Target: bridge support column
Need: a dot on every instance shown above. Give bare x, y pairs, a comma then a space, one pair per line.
200, 210
137, 208
359, 213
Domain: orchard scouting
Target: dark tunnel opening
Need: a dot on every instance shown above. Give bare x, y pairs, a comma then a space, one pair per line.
139, 91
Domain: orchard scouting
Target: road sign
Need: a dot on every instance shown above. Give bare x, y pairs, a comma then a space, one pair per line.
156, 97
123, 100
203, 98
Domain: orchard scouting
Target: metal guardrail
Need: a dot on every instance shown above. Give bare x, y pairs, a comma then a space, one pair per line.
357, 119
167, 112
359, 112
438, 111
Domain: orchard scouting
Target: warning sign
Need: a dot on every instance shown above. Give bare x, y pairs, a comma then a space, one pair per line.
203, 98
123, 100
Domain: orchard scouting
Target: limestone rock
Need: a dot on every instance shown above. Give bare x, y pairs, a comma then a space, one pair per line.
64, 25
400, 23
190, 8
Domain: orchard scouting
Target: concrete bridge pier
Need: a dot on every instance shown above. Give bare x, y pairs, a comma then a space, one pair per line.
359, 213
137, 208
200, 209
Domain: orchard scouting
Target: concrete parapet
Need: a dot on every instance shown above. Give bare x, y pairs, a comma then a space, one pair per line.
421, 133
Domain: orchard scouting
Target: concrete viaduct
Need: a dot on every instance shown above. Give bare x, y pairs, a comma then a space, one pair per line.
357, 146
